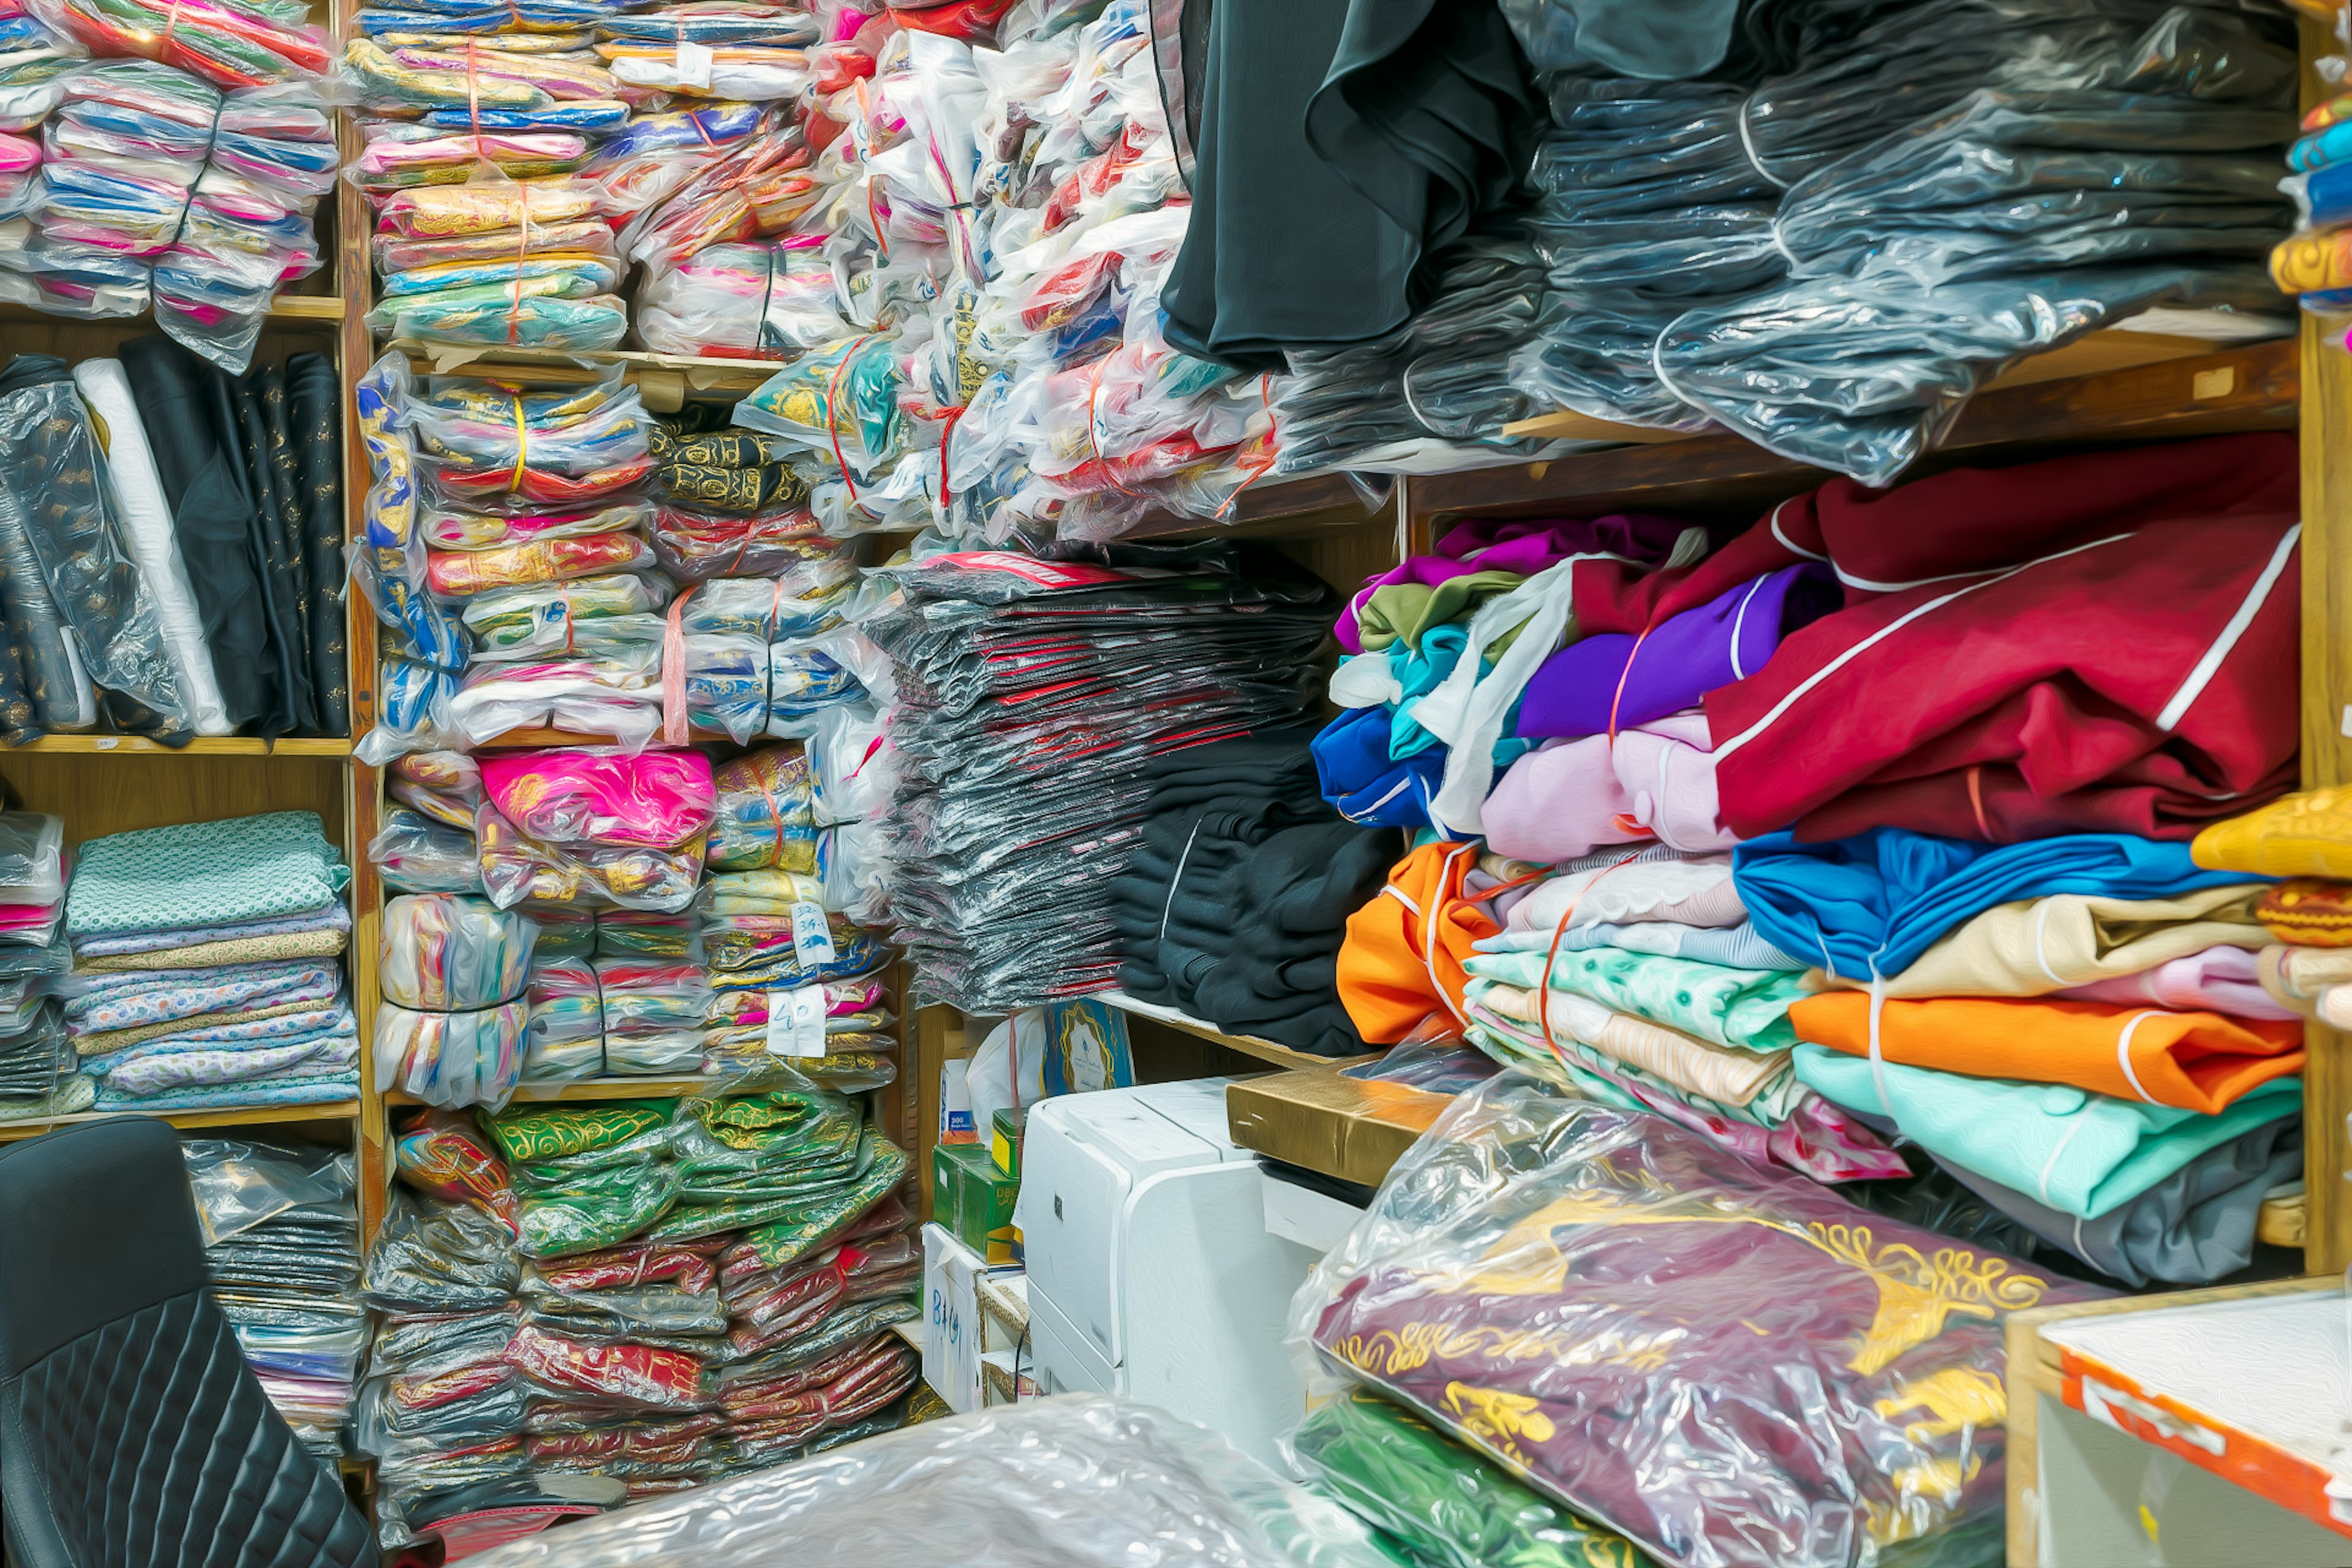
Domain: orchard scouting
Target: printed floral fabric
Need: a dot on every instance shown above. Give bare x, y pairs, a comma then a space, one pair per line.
1743, 1007
181, 996
116, 1039
244, 1096
329, 1055
322, 944
333, 917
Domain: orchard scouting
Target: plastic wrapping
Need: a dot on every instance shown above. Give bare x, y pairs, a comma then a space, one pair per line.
567, 1023
1527, 1215
417, 855
1056, 1484
765, 812
446, 1156
751, 299
597, 616
448, 952
515, 868
227, 42
452, 1058
656, 800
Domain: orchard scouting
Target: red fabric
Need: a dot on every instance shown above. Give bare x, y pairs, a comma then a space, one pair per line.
2012, 703
1966, 518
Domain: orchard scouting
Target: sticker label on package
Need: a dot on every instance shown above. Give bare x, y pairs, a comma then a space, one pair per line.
811, 938
796, 1021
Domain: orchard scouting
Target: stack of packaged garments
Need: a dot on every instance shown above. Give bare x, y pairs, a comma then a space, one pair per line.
207, 966
1035, 692
282, 1250
1233, 907
1787, 233
616, 1300
1870, 1349
2316, 261
37, 1063
179, 170
452, 1025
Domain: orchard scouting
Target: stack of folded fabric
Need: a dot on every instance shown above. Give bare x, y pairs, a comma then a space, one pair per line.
1234, 905
37, 1076
282, 1250
452, 1025
207, 968
601, 1300
1033, 693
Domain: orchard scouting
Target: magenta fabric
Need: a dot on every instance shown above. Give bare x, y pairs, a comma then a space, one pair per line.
656, 800
1517, 544
1578, 691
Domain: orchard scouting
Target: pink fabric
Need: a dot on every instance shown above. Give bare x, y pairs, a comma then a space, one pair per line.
659, 800
2219, 979
1567, 798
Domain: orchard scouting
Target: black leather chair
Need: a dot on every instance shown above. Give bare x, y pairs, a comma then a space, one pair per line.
132, 1435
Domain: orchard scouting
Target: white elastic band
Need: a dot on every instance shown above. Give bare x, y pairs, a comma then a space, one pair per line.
1877, 1057
1748, 145
2050, 1166
2123, 1056
2041, 919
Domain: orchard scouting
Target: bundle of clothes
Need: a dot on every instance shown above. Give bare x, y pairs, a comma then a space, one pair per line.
37, 1076
590, 1302
207, 967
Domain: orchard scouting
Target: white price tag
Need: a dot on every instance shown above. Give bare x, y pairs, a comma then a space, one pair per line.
796, 1021
811, 938
693, 64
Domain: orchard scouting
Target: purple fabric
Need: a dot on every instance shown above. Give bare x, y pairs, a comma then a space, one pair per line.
1517, 544
1684, 658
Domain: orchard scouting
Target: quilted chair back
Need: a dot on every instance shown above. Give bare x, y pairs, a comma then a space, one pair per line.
132, 1435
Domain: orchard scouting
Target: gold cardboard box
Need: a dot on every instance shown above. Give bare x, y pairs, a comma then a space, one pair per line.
1339, 1126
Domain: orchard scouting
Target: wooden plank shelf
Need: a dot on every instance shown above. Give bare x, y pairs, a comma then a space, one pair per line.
1247, 1044
588, 1088
2256, 387
250, 1116
665, 381
202, 746
1302, 507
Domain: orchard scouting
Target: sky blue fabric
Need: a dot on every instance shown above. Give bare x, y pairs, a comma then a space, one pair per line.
1875, 902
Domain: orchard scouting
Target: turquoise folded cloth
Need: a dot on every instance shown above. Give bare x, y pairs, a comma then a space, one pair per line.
203, 874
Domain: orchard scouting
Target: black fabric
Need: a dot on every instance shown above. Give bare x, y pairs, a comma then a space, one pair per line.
289, 704
315, 427
1236, 905
184, 405
132, 1433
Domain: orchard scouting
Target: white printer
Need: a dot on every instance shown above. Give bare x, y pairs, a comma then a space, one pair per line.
1151, 1273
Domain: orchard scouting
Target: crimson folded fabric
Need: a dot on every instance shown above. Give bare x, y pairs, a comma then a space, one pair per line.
2197, 1061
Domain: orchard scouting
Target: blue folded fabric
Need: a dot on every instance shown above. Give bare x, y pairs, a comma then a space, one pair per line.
1875, 902
1363, 782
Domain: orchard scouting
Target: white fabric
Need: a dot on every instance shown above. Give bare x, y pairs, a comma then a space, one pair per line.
1653, 884
1365, 681
147, 520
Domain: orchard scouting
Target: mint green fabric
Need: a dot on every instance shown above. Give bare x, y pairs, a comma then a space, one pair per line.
203, 874
2080, 1152
1744, 1007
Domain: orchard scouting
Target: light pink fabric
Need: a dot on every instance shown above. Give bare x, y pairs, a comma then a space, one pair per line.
2219, 979
1570, 797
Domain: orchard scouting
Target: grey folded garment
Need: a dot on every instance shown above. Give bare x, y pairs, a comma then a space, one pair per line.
2193, 1227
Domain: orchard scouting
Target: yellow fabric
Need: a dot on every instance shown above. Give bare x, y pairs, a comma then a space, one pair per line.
2303, 835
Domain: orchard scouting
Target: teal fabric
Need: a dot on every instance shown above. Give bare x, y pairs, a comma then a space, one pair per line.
1743, 1007
2079, 1152
203, 873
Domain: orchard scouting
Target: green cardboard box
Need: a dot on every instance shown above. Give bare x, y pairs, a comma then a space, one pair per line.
1004, 1140
967, 1184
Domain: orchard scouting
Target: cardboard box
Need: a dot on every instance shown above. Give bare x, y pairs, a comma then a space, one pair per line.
952, 1323
1318, 1117
966, 1183
1004, 1140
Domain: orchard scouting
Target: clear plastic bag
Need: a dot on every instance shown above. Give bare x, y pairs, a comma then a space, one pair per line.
655, 800
590, 615
567, 1023
452, 1058
416, 855
1059, 1483
842, 400
515, 868
440, 1257
1872, 1349
765, 812
740, 298
448, 952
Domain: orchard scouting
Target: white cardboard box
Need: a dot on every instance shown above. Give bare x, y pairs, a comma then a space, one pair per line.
956, 1332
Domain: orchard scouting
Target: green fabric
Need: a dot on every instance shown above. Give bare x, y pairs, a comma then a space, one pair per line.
1447, 1505
597, 1209
203, 874
1743, 1007
551, 1131
786, 1203
789, 1238
1405, 611
2080, 1152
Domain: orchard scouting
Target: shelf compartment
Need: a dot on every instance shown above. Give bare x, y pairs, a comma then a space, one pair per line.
252, 1116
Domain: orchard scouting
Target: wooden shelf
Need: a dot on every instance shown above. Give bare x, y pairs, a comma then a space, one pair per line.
664, 380
252, 1116
2257, 387
599, 1089
514, 739
1299, 508
1247, 1044
202, 746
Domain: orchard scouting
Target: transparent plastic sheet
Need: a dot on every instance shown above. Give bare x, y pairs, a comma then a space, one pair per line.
472, 1057
765, 813
751, 299
446, 529
440, 1257
1528, 1212
238, 1185
567, 1023
417, 855
655, 800
32, 857
1059, 1482
448, 952
424, 651
58, 498
547, 293
597, 617
446, 1156
516, 867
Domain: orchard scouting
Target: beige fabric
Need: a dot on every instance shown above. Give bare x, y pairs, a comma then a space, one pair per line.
236, 950
2038, 945
2315, 981
1696, 1067
98, 1045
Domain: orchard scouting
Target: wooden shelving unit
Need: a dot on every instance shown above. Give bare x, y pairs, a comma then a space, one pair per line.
202, 746
344, 1110
1247, 1045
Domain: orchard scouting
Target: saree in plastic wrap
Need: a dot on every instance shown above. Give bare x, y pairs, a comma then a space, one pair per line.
1727, 1365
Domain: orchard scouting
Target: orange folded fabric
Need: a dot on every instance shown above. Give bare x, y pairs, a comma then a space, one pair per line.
2198, 1061
1401, 961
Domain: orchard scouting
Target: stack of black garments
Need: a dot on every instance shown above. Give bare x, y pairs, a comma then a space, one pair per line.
1341, 145
1033, 694
1236, 905
252, 469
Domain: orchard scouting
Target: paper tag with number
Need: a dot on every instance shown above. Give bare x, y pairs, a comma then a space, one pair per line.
811, 938
796, 1021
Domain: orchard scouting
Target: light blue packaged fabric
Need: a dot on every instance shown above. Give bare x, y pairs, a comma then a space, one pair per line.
2076, 1151
1875, 902
203, 874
